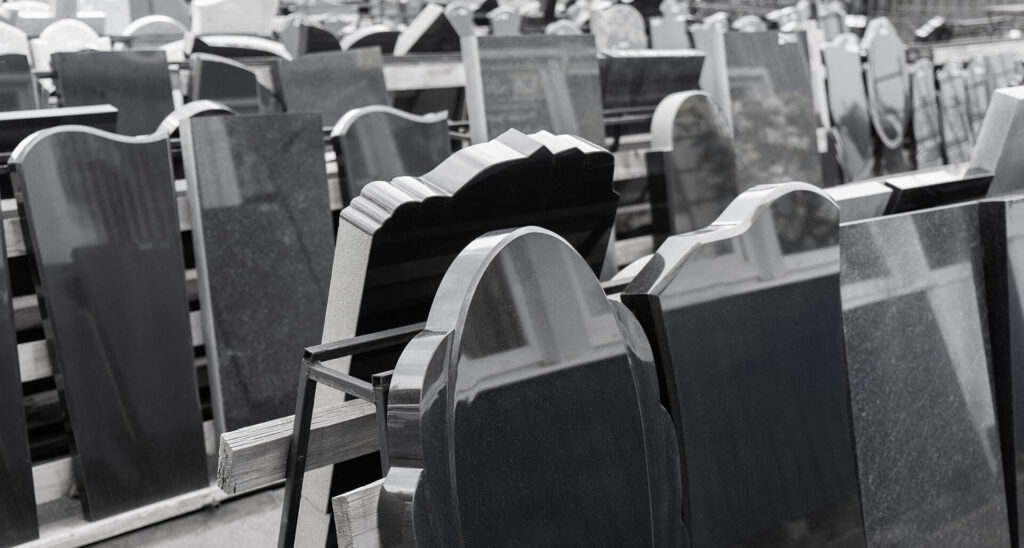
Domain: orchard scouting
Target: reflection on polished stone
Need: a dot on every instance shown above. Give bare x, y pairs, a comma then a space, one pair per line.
714, 76
693, 154
261, 226
848, 103
773, 115
112, 287
745, 320
550, 432
332, 83
1001, 140
379, 143
928, 449
888, 81
642, 78
618, 27
925, 121
1002, 225
978, 92
937, 186
18, 521
229, 82
957, 136
136, 82
533, 83
17, 85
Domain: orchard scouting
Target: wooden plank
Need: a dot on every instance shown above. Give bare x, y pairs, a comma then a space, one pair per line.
355, 517
34, 358
256, 456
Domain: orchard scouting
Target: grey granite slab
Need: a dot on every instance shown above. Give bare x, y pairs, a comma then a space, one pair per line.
533, 83
848, 103
957, 136
18, 521
262, 230
999, 142
379, 143
745, 321
888, 81
633, 79
136, 82
773, 116
549, 431
228, 82
696, 163
914, 313
332, 83
618, 27
102, 226
925, 122
18, 89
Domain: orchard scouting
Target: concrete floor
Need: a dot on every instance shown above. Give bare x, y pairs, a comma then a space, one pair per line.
250, 521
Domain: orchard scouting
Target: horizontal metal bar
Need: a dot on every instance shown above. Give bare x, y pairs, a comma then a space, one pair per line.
362, 343
340, 381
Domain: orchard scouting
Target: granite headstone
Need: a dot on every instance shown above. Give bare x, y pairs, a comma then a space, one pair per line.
332, 83
227, 81
618, 27
957, 136
978, 93
430, 31
998, 149
848, 103
925, 122
888, 81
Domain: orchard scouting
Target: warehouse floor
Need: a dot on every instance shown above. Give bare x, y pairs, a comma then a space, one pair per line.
250, 521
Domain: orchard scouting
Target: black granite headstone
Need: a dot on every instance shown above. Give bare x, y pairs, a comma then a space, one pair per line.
848, 103
136, 82
925, 123
18, 89
429, 32
549, 432
261, 225
642, 78
887, 80
227, 81
234, 46
533, 83
332, 83
745, 320
100, 213
998, 150
937, 186
302, 38
379, 143
773, 114
18, 521
928, 449
693, 153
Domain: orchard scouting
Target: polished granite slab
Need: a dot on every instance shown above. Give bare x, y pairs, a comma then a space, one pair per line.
262, 230
937, 186
745, 320
549, 431
429, 32
18, 89
888, 81
301, 38
236, 46
957, 136
136, 82
618, 27
927, 439
18, 521
999, 142
860, 200
230, 83
533, 83
1002, 232
102, 226
379, 143
642, 78
670, 31
925, 120
773, 116
848, 103
978, 92
331, 83
692, 169
714, 76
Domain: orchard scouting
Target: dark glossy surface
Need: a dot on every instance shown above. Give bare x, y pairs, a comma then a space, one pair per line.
848, 103
978, 92
17, 86
262, 229
478, 399
1000, 142
925, 121
745, 320
379, 143
1002, 226
430, 31
642, 78
533, 83
936, 186
105, 237
18, 522
618, 27
332, 83
772, 108
928, 447
957, 137
370, 36
228, 82
694, 148
301, 39
136, 82
887, 81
